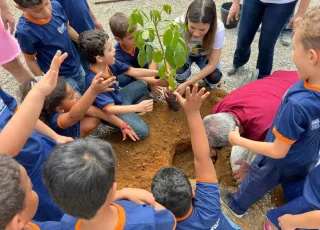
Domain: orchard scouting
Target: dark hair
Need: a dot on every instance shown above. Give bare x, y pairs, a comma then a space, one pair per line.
119, 24
12, 195
79, 176
203, 11
52, 101
27, 3
172, 189
92, 44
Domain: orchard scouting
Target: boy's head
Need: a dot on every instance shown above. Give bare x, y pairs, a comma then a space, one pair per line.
96, 47
36, 9
306, 44
172, 189
119, 24
80, 176
18, 202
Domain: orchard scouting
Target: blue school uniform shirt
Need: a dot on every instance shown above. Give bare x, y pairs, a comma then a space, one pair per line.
205, 212
298, 123
32, 157
129, 58
48, 225
104, 100
311, 190
131, 216
78, 13
43, 39
72, 131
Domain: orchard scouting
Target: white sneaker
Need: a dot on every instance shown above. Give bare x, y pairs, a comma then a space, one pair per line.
285, 39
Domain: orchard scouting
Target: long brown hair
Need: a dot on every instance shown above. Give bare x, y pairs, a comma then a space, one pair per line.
203, 11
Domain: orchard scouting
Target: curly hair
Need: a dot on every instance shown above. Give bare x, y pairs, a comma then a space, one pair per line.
92, 44
12, 195
28, 3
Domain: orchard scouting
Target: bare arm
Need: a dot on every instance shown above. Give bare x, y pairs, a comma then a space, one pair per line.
45, 130
96, 22
73, 34
6, 16
96, 112
33, 66
122, 109
140, 72
308, 220
303, 7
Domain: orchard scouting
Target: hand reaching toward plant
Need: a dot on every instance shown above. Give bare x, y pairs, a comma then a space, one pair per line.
234, 136
193, 101
145, 106
181, 89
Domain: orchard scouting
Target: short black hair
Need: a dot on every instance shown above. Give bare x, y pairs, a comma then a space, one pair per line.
53, 100
12, 194
172, 189
92, 44
79, 176
28, 3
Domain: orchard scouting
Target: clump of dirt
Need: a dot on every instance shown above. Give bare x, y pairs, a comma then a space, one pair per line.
169, 144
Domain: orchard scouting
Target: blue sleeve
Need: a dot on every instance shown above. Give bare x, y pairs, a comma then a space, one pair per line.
10, 102
48, 225
104, 100
119, 68
60, 9
164, 219
27, 43
54, 124
207, 201
290, 124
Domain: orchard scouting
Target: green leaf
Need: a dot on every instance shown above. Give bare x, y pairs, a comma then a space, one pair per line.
142, 57
171, 82
167, 8
162, 72
176, 37
145, 34
139, 41
155, 15
139, 18
157, 56
183, 26
152, 34
169, 53
145, 15
180, 56
132, 21
149, 53
167, 37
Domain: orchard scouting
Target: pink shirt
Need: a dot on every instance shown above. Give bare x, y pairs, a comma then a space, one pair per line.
256, 104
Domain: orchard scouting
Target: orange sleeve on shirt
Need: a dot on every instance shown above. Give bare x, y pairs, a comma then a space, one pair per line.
282, 138
128, 70
59, 123
15, 110
31, 56
33, 226
206, 180
107, 106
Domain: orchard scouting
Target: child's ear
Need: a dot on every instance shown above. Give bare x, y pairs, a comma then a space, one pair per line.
118, 39
59, 109
99, 59
16, 223
314, 56
21, 8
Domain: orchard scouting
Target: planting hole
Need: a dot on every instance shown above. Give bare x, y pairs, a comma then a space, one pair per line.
183, 159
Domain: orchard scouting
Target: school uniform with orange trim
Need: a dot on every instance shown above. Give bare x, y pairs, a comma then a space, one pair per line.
206, 213
297, 123
48, 225
131, 216
72, 131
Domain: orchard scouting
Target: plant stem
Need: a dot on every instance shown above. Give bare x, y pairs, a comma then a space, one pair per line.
161, 46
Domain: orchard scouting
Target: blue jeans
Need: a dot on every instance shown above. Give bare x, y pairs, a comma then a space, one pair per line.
273, 18
185, 72
125, 80
263, 176
289, 30
131, 94
77, 81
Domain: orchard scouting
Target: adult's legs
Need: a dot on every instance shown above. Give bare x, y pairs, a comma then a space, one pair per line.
251, 17
286, 33
21, 73
184, 72
274, 19
213, 78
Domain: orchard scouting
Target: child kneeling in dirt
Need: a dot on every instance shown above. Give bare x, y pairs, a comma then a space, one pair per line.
100, 53
80, 177
172, 189
127, 53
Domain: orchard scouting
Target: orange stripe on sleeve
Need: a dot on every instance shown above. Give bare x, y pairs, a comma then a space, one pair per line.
59, 123
282, 138
15, 110
107, 106
186, 216
33, 226
207, 180
32, 56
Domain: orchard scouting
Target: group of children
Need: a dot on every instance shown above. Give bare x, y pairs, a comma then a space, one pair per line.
99, 83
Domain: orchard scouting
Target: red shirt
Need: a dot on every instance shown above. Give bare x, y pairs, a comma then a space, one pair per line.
256, 103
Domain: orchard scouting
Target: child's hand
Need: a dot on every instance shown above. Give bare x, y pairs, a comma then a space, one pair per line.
145, 106
162, 83
62, 139
240, 174
234, 136
138, 196
101, 85
49, 81
193, 100
181, 88
156, 90
285, 222
127, 130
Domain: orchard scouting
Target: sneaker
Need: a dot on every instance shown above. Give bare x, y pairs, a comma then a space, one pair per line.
285, 39
225, 197
233, 70
209, 85
96, 134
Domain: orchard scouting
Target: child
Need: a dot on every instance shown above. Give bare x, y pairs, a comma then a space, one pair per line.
205, 39
84, 170
127, 52
172, 189
42, 29
75, 117
100, 53
292, 144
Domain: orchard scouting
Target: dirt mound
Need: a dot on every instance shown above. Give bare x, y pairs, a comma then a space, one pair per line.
169, 144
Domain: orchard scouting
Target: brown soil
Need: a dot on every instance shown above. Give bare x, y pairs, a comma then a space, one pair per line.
169, 144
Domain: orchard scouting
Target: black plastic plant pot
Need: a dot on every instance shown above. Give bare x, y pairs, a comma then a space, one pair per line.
172, 102
225, 7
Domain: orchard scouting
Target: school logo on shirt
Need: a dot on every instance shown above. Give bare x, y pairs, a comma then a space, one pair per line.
62, 28
315, 124
2, 106
216, 225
